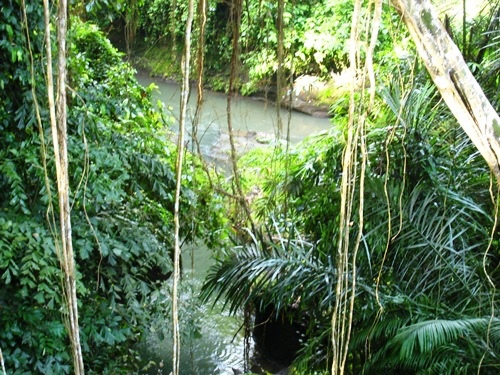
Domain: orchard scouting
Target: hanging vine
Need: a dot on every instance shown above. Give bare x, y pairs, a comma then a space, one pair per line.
351, 183
200, 71
200, 57
2, 363
186, 61
236, 10
172, 24
495, 194
131, 22
280, 70
58, 121
281, 83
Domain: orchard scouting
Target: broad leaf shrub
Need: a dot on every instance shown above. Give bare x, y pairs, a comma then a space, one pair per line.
121, 177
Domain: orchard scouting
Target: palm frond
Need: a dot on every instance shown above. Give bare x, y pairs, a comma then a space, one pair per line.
411, 108
271, 272
443, 346
423, 337
444, 236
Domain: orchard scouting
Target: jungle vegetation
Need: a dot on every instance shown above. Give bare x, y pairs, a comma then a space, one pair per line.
392, 271
121, 168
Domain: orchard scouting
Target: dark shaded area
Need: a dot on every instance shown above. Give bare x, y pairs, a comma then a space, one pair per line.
278, 337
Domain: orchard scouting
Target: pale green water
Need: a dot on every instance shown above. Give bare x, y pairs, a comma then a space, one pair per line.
212, 342
247, 114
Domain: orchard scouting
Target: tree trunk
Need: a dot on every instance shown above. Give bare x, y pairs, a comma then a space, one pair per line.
455, 82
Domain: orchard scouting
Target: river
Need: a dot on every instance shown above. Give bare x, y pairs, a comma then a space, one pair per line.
212, 340
247, 115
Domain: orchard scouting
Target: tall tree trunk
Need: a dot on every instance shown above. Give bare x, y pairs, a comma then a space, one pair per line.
452, 77
58, 120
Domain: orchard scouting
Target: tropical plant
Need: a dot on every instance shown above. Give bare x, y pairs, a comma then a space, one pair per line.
481, 50
121, 179
422, 258
461, 346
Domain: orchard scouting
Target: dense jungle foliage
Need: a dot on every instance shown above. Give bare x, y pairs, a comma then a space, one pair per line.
428, 267
121, 168
425, 278
314, 36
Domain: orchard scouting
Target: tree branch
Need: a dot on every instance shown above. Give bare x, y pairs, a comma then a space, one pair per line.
452, 77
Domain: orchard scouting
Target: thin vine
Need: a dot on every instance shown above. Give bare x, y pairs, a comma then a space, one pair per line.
131, 22
2, 363
352, 184
236, 11
186, 60
58, 121
495, 197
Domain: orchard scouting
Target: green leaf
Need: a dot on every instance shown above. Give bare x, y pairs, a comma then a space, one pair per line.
40, 297
6, 276
117, 251
10, 30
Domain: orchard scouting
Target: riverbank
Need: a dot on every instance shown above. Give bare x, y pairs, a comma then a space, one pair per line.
308, 94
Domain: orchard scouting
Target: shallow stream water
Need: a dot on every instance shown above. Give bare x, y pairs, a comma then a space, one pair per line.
213, 341
247, 114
